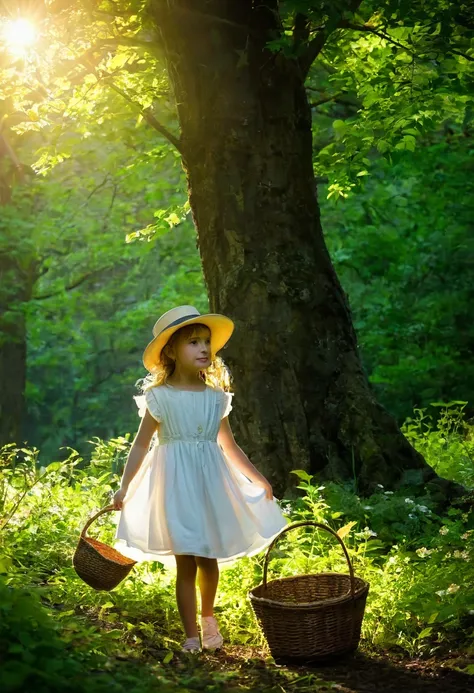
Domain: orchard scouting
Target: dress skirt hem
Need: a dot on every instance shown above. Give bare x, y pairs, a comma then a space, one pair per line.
167, 557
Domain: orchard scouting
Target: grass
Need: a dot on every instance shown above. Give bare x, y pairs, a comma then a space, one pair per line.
57, 633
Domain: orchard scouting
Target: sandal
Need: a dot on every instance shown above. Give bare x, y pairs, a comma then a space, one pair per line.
211, 637
191, 645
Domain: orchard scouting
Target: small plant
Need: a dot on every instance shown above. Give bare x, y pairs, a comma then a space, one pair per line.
448, 445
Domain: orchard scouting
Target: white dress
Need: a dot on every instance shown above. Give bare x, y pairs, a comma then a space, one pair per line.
187, 498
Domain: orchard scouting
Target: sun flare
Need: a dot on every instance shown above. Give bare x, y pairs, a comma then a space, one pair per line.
18, 35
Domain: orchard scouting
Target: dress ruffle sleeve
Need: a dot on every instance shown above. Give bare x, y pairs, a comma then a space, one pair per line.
226, 403
140, 401
153, 404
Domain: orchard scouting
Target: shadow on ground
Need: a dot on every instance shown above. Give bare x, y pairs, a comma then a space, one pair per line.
361, 673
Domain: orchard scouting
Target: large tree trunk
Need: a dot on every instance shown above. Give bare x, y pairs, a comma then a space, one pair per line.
18, 275
12, 351
16, 281
302, 397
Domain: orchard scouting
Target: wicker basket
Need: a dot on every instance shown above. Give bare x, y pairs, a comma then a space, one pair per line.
310, 617
98, 564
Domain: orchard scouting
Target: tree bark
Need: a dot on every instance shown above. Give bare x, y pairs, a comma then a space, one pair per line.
303, 400
12, 351
16, 283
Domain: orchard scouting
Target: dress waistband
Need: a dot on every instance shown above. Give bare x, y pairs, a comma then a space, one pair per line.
168, 440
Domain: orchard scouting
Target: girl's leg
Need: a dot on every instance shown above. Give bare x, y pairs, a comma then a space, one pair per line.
208, 579
186, 594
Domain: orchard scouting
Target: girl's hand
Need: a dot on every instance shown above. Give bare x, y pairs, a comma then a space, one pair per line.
118, 498
267, 486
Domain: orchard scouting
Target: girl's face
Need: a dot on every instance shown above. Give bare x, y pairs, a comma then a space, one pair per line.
192, 352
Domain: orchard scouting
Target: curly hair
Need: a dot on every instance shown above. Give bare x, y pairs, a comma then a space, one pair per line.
216, 375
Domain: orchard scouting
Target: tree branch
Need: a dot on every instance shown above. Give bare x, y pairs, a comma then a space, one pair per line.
463, 55
144, 112
74, 285
315, 46
301, 29
342, 98
314, 49
97, 188
381, 34
149, 117
107, 214
325, 99
373, 30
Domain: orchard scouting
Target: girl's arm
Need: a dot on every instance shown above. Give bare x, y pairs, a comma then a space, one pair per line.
136, 455
239, 459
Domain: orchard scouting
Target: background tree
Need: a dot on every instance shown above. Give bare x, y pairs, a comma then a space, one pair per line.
88, 306
18, 273
72, 275
238, 74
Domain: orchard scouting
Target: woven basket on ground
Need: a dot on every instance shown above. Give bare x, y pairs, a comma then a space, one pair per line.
100, 565
310, 617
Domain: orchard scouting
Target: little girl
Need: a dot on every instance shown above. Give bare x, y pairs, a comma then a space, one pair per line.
194, 497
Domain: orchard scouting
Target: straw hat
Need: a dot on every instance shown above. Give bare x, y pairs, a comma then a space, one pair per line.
220, 326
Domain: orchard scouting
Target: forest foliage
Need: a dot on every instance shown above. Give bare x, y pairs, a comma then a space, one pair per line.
56, 629
402, 247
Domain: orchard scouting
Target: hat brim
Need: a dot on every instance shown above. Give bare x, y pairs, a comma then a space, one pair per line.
220, 326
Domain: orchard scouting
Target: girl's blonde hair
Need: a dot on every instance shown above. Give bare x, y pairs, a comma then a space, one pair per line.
216, 375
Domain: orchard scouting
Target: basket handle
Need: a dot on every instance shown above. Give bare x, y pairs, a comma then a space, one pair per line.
309, 523
107, 509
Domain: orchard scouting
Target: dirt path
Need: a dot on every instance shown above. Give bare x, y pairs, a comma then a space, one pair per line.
371, 674
250, 670
363, 673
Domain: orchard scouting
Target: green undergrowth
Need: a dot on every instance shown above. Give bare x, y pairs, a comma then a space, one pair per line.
57, 633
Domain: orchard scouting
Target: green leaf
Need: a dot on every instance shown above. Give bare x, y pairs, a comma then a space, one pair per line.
449, 404
107, 605
5, 564
54, 467
344, 531
168, 657
383, 146
339, 127
301, 474
173, 219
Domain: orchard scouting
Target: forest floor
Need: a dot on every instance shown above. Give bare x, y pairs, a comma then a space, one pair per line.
239, 669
